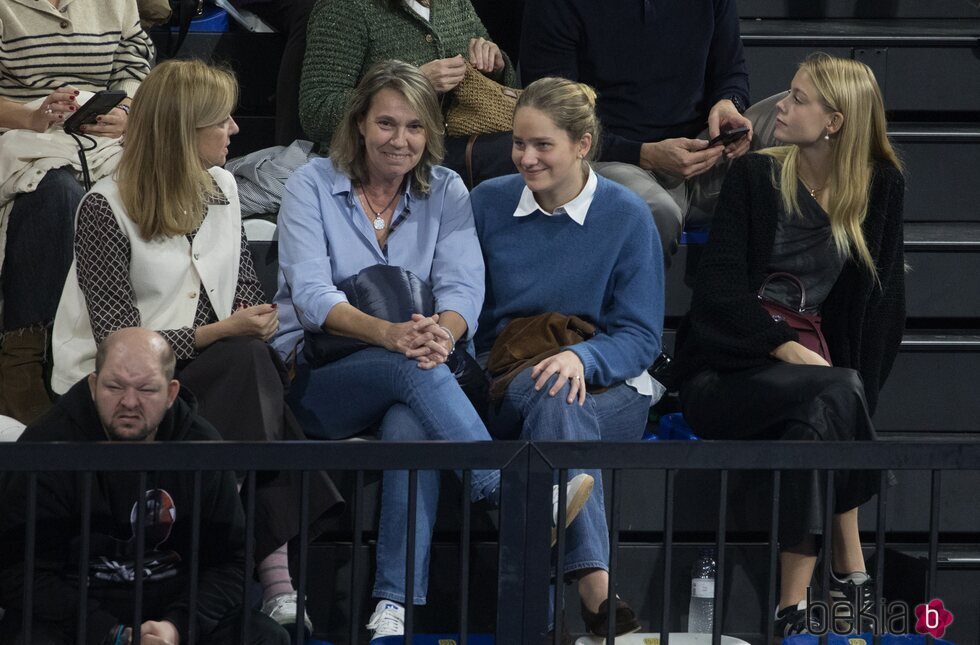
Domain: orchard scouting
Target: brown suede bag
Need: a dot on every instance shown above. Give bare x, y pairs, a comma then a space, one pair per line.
525, 342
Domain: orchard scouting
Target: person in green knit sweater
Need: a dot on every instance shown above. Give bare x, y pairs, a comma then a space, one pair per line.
347, 37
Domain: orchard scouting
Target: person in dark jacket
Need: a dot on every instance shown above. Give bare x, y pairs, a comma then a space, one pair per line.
131, 396
670, 76
827, 209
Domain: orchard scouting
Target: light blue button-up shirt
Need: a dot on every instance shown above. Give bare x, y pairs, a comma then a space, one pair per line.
325, 237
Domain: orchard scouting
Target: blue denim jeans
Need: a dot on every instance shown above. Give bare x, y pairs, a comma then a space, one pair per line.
617, 414
40, 234
374, 386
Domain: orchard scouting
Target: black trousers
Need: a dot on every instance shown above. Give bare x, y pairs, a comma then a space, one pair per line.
40, 234
780, 401
290, 18
239, 389
489, 157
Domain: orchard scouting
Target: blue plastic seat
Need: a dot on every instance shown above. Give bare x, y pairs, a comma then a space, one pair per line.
672, 427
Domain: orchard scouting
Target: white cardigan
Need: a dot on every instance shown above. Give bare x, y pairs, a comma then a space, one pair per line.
166, 274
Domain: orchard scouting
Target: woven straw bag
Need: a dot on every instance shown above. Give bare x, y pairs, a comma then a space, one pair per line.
480, 106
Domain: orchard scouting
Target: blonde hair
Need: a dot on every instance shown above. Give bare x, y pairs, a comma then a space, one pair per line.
163, 182
569, 105
849, 87
347, 146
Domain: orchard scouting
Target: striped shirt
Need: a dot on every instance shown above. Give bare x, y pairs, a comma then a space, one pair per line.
90, 44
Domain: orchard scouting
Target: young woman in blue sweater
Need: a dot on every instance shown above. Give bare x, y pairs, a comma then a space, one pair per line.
559, 238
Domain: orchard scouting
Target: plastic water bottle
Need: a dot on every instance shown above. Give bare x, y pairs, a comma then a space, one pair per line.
701, 613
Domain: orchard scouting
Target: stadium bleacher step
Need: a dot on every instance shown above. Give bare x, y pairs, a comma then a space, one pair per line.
943, 280
922, 65
941, 170
891, 9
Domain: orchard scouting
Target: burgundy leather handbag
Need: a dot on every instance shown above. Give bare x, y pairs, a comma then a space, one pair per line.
806, 324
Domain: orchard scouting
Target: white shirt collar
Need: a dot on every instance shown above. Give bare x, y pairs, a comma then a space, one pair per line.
424, 12
575, 209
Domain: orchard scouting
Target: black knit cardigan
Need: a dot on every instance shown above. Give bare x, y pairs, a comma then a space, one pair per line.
728, 330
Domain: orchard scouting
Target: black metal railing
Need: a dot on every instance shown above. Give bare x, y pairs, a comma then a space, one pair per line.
672, 457
528, 471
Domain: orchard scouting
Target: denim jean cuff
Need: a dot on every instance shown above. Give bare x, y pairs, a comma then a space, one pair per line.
397, 596
572, 567
487, 487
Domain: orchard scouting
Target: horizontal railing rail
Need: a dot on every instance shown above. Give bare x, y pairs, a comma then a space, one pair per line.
439, 455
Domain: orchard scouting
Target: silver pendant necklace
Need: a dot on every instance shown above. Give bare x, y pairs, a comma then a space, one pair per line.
379, 222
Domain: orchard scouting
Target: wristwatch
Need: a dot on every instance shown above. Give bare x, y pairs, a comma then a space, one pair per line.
737, 102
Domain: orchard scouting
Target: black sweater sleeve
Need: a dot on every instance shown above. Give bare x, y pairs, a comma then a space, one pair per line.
884, 321
551, 37
728, 324
726, 73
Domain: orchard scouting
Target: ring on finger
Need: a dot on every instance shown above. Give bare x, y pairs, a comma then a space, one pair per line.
578, 378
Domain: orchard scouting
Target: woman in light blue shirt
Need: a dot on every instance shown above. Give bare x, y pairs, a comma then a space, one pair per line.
380, 199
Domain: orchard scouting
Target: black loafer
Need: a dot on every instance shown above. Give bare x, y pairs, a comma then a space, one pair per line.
597, 622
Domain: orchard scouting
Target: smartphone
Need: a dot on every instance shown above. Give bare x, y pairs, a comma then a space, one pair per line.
100, 103
728, 136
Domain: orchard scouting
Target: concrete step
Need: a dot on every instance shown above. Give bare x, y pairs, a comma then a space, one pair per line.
923, 66
639, 582
858, 9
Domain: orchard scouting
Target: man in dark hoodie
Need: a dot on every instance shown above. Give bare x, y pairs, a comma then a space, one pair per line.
131, 396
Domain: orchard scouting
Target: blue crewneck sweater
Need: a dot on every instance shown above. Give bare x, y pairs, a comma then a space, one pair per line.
608, 271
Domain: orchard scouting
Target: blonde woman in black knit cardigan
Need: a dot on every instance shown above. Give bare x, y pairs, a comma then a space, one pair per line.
827, 208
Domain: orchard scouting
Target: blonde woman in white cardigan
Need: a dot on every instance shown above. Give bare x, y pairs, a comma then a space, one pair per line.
160, 245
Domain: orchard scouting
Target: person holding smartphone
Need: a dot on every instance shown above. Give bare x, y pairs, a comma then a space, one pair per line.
50, 51
669, 79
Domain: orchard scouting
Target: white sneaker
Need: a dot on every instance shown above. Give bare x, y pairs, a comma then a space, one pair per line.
577, 492
282, 609
388, 619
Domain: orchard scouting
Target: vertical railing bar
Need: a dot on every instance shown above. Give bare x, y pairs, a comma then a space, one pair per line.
195, 563
668, 554
828, 511
30, 534
140, 535
613, 557
304, 534
464, 561
933, 532
83, 555
773, 601
719, 608
560, 544
934, 511
413, 485
249, 555
355, 556
880, 549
